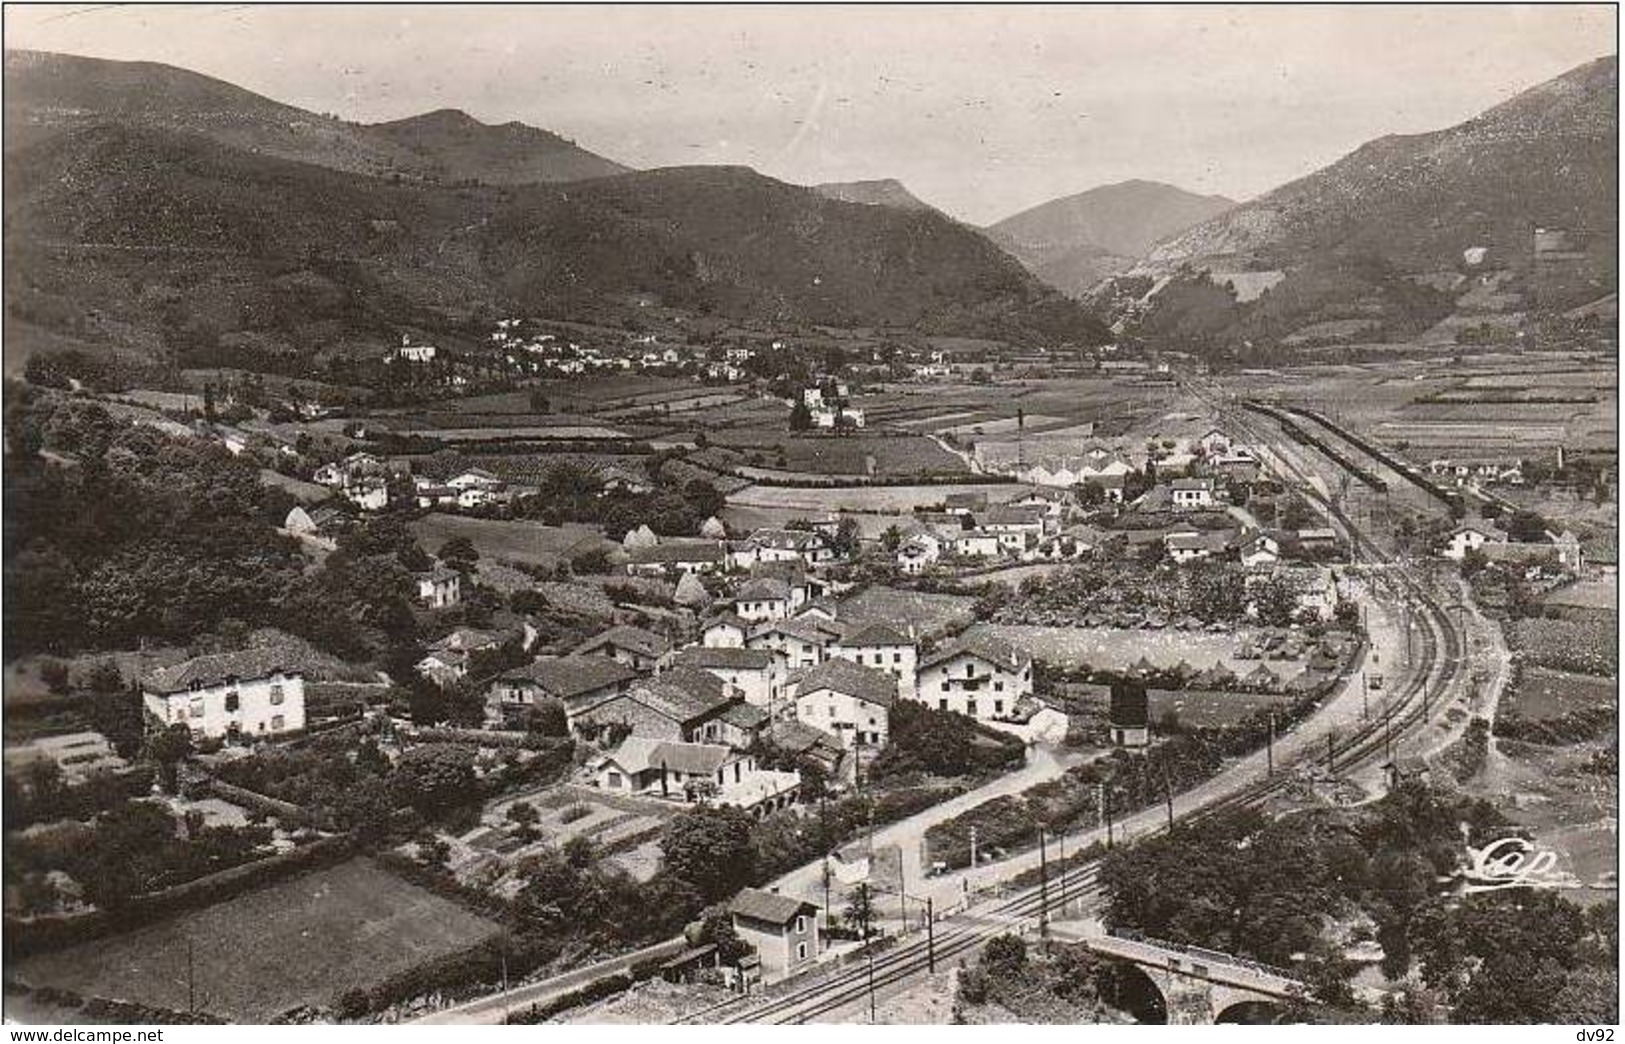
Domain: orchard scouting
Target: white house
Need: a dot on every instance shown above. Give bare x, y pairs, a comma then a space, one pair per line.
368, 494
781, 545
918, 552
1470, 537
981, 676
882, 648
1192, 493
475, 478
764, 598
440, 587
725, 632
976, 543
802, 642
850, 702
750, 674
1260, 550
256, 692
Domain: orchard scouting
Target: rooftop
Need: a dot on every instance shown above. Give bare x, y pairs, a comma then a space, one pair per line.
844, 676
221, 667
984, 647
771, 907
705, 657
567, 676
625, 636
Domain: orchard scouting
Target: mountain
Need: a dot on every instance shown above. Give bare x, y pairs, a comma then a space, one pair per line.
885, 192
47, 94
457, 147
1074, 242
160, 243
1447, 211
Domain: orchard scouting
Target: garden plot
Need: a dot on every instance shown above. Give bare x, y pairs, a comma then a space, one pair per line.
930, 614
299, 942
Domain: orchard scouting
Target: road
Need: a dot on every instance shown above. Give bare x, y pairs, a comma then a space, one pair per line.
1043, 764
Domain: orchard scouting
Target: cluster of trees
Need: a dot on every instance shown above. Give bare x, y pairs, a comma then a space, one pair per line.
570, 493
1267, 890
1211, 591
144, 536
924, 740
132, 849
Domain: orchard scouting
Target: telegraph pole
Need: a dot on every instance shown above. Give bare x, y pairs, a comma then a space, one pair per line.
930, 937
868, 948
1043, 886
1168, 793
1107, 805
1269, 748
1331, 752
973, 846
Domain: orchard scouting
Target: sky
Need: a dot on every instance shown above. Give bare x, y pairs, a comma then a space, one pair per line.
981, 110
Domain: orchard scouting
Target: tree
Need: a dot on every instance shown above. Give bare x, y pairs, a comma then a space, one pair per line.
547, 718
54, 673
711, 849
860, 909
435, 778
1526, 527
891, 539
845, 540
1005, 953
167, 749
800, 416
459, 553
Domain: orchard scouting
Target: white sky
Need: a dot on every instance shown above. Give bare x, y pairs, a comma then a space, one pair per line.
982, 111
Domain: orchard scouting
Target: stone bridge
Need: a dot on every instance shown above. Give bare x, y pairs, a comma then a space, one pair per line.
1199, 986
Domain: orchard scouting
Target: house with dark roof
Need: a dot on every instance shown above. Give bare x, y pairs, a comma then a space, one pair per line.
807, 741
578, 682
763, 598
753, 675
1189, 494
682, 704
883, 648
251, 693
852, 703
784, 931
639, 649
725, 631
1129, 715
980, 676
780, 545
673, 558
803, 641
439, 588
1015, 526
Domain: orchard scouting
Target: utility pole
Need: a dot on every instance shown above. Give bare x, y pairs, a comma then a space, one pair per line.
1168, 794
972, 846
1269, 748
930, 937
191, 980
1331, 752
1043, 886
868, 949
1107, 805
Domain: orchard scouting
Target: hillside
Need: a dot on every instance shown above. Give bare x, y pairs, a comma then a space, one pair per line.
1444, 210
47, 94
885, 192
171, 245
1074, 242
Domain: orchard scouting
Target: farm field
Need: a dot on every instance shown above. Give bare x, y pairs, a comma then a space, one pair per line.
528, 543
741, 520
880, 499
1115, 648
1582, 646
485, 434
1542, 693
931, 614
1202, 708
298, 942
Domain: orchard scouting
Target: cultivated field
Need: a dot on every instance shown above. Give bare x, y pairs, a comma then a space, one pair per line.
1545, 693
881, 499
528, 543
929, 613
300, 942
1114, 648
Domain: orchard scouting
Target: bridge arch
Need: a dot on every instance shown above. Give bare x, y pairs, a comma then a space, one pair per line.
1254, 1011
1132, 989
